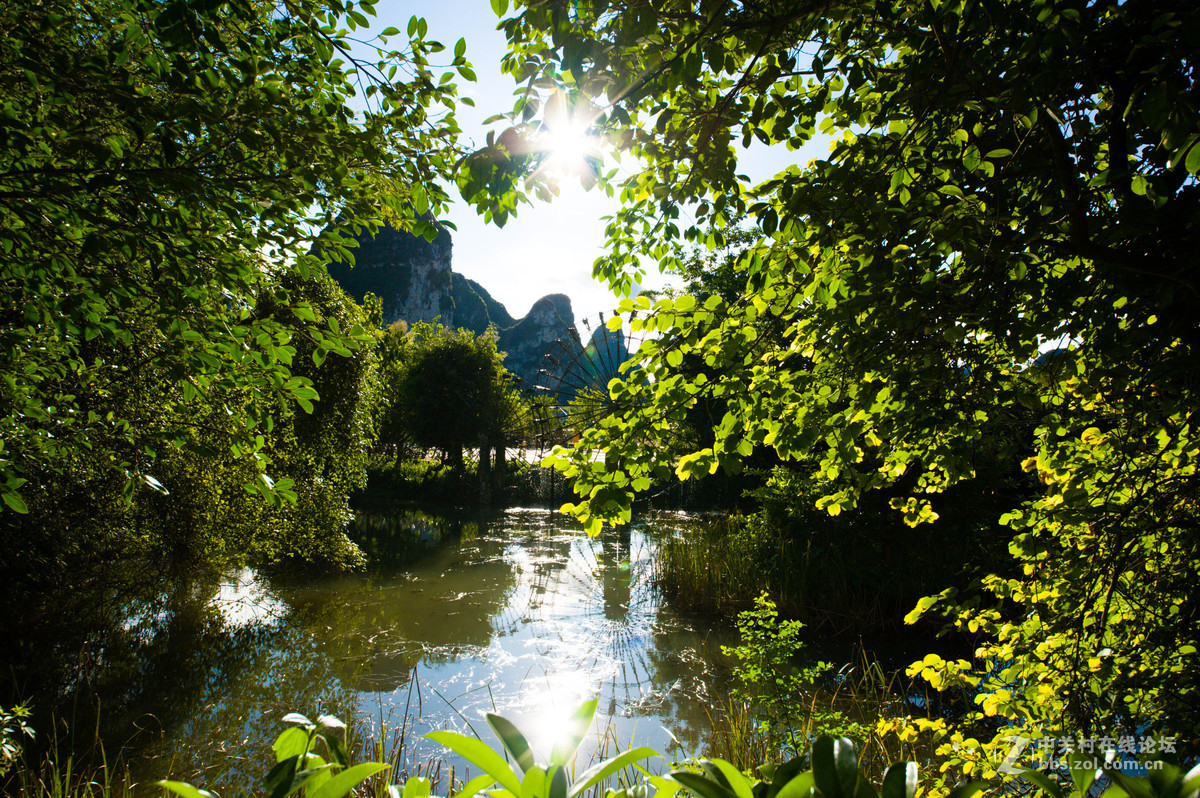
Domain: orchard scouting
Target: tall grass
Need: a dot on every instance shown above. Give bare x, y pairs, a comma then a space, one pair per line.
57, 773
720, 565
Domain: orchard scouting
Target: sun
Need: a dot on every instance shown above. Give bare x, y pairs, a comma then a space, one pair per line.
569, 145
567, 140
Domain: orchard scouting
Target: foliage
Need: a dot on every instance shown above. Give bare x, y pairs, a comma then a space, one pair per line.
1003, 177
782, 695
554, 780
13, 727
450, 389
834, 771
165, 168
299, 769
423, 481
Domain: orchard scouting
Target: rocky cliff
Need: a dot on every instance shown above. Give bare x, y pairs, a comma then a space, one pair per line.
410, 275
415, 281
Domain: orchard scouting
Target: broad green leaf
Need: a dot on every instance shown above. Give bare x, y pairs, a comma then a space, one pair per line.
15, 502
557, 787
702, 786
602, 770
573, 732
476, 786
900, 781
419, 787
184, 789
291, 743
740, 785
342, 783
1082, 775
514, 742
534, 784
1192, 164
799, 786
480, 755
835, 767
279, 779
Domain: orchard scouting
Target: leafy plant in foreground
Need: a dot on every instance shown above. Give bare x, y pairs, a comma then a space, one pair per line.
780, 694
299, 770
554, 780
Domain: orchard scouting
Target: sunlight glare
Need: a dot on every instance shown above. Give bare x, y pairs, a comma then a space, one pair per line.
568, 144
554, 701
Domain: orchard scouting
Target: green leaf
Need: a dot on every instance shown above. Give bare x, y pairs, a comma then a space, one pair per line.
834, 766
558, 782
184, 789
799, 786
923, 604
571, 736
279, 780
741, 786
534, 783
476, 786
513, 741
291, 743
900, 781
701, 786
1192, 164
1082, 775
1135, 787
15, 502
480, 755
342, 783
602, 770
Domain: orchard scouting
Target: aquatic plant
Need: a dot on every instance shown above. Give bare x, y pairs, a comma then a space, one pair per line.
782, 696
554, 780
299, 769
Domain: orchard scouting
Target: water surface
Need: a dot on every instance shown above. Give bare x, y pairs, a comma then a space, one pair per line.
518, 613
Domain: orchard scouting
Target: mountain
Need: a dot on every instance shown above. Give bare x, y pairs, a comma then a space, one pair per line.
415, 280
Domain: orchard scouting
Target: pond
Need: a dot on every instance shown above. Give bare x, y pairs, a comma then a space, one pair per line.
517, 613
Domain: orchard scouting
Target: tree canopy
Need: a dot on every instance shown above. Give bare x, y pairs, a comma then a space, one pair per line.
162, 164
1001, 245
448, 389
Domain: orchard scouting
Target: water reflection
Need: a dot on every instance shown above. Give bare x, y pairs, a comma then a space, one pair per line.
518, 613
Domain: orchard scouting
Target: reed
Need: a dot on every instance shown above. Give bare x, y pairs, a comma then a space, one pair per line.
737, 737
720, 565
89, 773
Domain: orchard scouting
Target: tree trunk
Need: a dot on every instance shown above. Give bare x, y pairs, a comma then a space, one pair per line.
498, 471
485, 472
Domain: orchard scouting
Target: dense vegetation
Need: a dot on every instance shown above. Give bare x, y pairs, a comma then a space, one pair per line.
976, 316
168, 170
994, 265
181, 384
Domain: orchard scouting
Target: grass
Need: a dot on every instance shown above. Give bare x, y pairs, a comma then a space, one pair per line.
871, 704
720, 565
88, 774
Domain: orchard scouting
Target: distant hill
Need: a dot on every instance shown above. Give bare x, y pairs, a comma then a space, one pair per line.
415, 280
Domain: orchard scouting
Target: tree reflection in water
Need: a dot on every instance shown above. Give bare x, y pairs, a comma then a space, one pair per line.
517, 612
